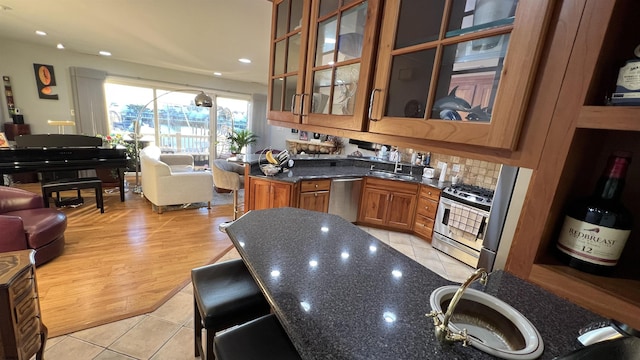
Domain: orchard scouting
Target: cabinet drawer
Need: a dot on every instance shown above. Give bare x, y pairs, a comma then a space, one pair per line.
430, 192
26, 308
22, 283
27, 329
30, 345
427, 207
315, 185
423, 226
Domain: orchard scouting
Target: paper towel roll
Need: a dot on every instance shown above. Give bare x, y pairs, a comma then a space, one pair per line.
443, 173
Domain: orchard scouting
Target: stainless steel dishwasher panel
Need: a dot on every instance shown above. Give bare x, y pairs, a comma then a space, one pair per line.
344, 198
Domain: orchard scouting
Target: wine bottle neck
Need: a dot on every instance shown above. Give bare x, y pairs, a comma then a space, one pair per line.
611, 183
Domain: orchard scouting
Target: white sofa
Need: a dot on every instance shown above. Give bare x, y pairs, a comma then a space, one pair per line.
170, 179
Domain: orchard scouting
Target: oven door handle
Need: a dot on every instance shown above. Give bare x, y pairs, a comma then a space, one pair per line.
445, 216
482, 228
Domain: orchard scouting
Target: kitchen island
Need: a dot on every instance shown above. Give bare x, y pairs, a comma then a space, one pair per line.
342, 294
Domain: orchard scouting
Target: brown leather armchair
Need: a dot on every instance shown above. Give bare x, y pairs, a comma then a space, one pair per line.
27, 224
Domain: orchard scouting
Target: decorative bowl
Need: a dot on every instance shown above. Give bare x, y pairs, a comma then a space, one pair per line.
270, 169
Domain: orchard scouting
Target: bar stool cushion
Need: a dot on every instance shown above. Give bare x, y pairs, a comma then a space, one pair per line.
262, 338
226, 292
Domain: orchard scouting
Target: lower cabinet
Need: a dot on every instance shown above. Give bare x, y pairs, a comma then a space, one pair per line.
426, 211
314, 195
22, 333
267, 194
388, 203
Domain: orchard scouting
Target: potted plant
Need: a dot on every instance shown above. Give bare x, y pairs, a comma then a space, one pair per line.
239, 139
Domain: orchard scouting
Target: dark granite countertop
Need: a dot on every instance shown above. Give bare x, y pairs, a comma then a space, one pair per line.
331, 286
340, 166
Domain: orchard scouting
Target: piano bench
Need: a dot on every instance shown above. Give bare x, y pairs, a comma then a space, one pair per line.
58, 185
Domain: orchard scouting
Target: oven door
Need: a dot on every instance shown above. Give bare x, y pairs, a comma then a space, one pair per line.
462, 223
455, 249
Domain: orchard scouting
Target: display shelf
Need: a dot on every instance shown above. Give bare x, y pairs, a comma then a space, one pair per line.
625, 118
614, 298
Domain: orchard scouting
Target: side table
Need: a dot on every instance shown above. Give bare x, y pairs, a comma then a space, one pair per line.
22, 333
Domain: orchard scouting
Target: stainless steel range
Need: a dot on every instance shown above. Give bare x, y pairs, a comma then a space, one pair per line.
470, 219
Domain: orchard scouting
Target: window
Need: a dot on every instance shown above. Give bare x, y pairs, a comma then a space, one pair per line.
231, 114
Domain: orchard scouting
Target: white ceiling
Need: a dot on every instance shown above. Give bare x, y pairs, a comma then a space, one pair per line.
199, 36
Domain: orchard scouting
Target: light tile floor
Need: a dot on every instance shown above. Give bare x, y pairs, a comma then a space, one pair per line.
167, 333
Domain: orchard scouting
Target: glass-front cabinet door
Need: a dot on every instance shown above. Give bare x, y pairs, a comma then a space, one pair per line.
290, 22
443, 69
342, 40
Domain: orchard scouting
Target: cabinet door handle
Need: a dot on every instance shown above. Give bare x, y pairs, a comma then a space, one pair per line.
371, 98
302, 112
315, 194
316, 186
293, 104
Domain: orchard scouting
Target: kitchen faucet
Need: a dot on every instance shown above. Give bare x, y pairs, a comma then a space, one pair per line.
397, 168
443, 333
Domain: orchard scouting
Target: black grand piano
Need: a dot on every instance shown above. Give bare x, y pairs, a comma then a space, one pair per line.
50, 153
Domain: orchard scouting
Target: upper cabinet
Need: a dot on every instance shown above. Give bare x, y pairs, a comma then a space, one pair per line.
460, 72
342, 41
289, 35
455, 71
321, 57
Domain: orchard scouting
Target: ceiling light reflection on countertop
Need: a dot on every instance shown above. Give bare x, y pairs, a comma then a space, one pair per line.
373, 248
389, 316
313, 263
305, 306
344, 255
324, 229
275, 273
396, 274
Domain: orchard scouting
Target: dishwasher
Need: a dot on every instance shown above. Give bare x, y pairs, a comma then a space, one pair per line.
344, 198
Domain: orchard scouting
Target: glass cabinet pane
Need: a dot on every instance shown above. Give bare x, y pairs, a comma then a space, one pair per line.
278, 57
295, 21
474, 15
327, 7
326, 42
277, 85
468, 80
345, 87
321, 92
416, 25
409, 84
282, 17
290, 90
293, 55
352, 24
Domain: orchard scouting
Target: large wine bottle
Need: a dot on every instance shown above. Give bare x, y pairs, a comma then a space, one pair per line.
596, 228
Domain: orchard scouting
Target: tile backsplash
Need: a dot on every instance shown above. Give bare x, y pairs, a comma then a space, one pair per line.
473, 172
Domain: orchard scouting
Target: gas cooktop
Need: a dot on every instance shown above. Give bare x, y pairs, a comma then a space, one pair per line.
470, 193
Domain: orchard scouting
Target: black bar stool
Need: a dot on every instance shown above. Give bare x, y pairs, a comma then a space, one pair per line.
224, 295
262, 338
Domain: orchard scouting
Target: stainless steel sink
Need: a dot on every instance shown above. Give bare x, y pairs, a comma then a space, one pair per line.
391, 175
492, 325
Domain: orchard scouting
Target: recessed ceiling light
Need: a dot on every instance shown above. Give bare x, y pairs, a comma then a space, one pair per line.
245, 61
60, 46
41, 33
104, 53
217, 73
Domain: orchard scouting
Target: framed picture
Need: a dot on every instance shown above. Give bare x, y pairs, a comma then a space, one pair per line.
4, 143
45, 81
304, 136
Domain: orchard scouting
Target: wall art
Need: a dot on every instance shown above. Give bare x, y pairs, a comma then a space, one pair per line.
45, 81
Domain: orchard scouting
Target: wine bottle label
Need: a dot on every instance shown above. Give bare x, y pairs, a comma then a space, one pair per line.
592, 243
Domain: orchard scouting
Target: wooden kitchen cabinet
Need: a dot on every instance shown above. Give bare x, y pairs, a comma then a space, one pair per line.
314, 195
422, 54
388, 204
582, 135
22, 333
426, 211
321, 61
267, 194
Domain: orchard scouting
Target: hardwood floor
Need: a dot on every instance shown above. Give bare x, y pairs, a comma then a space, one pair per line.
125, 262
